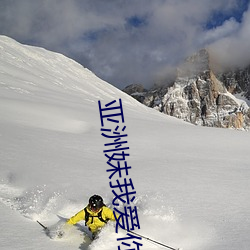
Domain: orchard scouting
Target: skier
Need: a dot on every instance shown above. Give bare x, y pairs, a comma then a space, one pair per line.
95, 214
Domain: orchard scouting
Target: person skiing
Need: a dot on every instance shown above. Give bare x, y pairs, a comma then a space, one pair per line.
95, 214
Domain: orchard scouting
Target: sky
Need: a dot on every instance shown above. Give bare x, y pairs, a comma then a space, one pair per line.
132, 41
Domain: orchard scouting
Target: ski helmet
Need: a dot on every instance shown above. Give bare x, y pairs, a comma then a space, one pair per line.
95, 202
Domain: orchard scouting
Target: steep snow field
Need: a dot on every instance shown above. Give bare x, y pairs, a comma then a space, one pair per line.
192, 183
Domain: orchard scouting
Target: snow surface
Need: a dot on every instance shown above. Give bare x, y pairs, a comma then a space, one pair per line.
192, 183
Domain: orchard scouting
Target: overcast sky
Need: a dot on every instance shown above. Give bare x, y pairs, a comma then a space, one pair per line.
131, 41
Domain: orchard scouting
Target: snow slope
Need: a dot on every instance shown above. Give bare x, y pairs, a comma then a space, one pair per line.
192, 183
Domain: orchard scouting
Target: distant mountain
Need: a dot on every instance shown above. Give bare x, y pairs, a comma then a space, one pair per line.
201, 95
237, 81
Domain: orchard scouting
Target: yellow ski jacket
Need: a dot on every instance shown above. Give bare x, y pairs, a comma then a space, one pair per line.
93, 223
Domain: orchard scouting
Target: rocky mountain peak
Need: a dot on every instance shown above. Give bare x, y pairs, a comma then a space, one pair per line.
200, 96
196, 64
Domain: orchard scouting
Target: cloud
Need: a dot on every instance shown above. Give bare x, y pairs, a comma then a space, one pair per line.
122, 41
233, 49
228, 28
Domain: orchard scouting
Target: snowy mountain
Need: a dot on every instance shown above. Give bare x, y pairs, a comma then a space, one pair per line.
201, 95
192, 183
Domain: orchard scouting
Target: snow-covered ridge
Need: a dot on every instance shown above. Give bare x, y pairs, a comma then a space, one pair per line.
34, 66
33, 74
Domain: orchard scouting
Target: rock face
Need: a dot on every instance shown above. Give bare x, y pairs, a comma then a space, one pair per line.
137, 91
237, 81
201, 97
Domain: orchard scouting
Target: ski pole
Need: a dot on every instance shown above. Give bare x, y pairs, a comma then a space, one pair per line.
45, 228
159, 243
